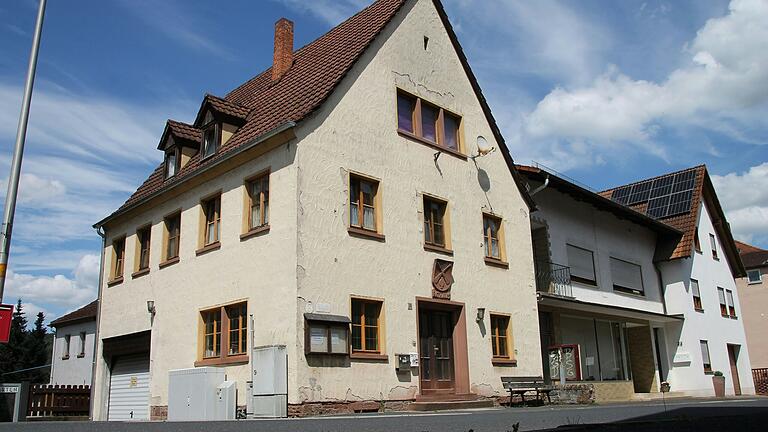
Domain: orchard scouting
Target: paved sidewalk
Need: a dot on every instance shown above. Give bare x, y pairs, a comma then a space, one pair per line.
480, 420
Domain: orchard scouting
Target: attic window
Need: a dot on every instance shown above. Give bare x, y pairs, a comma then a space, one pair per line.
171, 162
211, 135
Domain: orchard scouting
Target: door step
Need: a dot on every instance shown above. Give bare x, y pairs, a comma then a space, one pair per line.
450, 405
656, 396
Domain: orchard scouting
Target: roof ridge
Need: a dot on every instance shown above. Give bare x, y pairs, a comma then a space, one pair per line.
704, 166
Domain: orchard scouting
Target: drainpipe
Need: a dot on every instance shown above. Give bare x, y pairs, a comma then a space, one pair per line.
540, 188
103, 235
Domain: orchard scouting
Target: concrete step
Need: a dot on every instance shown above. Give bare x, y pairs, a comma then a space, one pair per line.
656, 396
450, 405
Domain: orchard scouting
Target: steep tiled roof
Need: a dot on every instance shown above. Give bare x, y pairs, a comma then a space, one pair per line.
184, 130
752, 256
224, 107
316, 70
686, 222
85, 313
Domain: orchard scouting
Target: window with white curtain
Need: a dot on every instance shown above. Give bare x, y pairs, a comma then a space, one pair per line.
627, 277
582, 264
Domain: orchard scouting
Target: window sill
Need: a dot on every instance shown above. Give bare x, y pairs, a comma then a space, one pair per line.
716, 258
364, 233
709, 372
223, 361
80, 355
496, 262
253, 232
169, 261
698, 310
115, 281
725, 315
139, 273
329, 354
734, 317
755, 283
583, 281
65, 357
627, 291
429, 143
208, 248
504, 362
438, 249
369, 356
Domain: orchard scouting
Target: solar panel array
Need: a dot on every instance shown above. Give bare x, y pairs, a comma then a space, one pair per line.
666, 196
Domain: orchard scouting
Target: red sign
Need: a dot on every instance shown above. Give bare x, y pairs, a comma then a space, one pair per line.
6, 316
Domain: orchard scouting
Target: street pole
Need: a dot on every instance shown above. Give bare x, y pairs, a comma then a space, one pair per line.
18, 152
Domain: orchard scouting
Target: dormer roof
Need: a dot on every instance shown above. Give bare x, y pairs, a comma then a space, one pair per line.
182, 133
230, 111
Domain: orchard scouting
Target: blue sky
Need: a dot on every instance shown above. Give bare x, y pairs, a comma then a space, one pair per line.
606, 92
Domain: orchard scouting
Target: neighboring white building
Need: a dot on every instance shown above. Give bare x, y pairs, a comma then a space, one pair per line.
73, 346
633, 298
336, 204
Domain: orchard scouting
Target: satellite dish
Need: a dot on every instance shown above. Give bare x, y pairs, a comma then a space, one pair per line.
483, 148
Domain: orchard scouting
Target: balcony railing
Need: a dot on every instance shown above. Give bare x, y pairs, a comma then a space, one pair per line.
553, 279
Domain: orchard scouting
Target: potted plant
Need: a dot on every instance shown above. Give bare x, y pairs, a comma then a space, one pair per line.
718, 380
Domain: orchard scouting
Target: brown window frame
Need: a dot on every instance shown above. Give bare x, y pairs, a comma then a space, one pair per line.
429, 223
118, 262
176, 162
713, 245
359, 201
697, 305
723, 302
221, 335
706, 363
362, 302
212, 217
213, 128
169, 236
417, 124
327, 326
731, 302
499, 331
144, 243
263, 200
488, 239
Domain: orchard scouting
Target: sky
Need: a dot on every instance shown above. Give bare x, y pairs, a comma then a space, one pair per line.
604, 92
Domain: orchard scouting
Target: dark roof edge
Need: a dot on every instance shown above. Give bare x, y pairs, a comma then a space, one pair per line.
177, 182
484, 104
614, 207
723, 227
81, 314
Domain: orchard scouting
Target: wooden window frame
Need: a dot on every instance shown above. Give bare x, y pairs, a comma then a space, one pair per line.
501, 260
176, 163
713, 245
328, 325
141, 249
731, 302
360, 230
169, 259
723, 302
706, 365
210, 215
416, 120
429, 224
264, 198
216, 126
223, 358
118, 260
697, 305
498, 358
379, 353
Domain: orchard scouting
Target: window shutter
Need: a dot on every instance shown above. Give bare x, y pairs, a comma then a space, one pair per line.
581, 262
627, 275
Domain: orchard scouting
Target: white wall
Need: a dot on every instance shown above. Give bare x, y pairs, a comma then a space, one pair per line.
707, 325
74, 370
581, 224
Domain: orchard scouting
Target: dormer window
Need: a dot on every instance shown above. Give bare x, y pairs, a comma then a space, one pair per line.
211, 136
171, 162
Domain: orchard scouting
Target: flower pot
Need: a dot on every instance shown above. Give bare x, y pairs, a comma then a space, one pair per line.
719, 383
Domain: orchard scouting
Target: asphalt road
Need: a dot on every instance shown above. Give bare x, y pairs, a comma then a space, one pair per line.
481, 420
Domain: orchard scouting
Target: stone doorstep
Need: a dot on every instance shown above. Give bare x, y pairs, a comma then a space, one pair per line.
641, 397
450, 405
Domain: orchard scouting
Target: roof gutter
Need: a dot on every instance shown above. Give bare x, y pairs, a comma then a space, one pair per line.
178, 182
540, 188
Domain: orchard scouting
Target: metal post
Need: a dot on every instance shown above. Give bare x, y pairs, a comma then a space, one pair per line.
18, 151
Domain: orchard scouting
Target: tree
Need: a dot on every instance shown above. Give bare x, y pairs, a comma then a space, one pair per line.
25, 349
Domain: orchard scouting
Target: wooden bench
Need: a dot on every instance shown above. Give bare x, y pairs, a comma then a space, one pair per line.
522, 385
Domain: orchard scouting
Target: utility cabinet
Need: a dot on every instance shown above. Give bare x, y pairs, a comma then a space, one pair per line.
268, 395
193, 394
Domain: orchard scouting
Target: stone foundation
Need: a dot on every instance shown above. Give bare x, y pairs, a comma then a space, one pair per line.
158, 412
572, 394
344, 407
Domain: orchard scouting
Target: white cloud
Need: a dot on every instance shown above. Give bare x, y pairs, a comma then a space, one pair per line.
721, 87
34, 190
330, 11
744, 197
59, 290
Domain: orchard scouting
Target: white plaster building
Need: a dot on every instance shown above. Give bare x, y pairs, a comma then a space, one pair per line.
73, 346
635, 298
336, 204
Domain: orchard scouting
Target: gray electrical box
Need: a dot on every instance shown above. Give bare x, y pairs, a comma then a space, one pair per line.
403, 362
226, 401
269, 382
192, 393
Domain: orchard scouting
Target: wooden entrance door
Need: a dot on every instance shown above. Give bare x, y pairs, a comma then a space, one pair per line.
733, 353
436, 351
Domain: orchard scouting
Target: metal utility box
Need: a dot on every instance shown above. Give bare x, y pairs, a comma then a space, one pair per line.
226, 401
192, 393
403, 362
269, 385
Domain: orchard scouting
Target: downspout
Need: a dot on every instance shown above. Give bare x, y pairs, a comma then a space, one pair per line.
102, 234
540, 188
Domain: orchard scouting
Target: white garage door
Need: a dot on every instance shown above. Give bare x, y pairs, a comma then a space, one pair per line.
129, 389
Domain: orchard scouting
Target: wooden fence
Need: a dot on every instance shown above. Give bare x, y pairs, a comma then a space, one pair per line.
59, 400
760, 377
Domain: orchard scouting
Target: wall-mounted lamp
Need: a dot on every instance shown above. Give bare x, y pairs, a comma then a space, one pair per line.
151, 306
480, 314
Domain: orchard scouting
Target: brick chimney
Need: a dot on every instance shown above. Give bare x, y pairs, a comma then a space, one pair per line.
283, 48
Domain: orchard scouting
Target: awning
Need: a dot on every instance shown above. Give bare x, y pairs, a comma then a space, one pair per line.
559, 302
